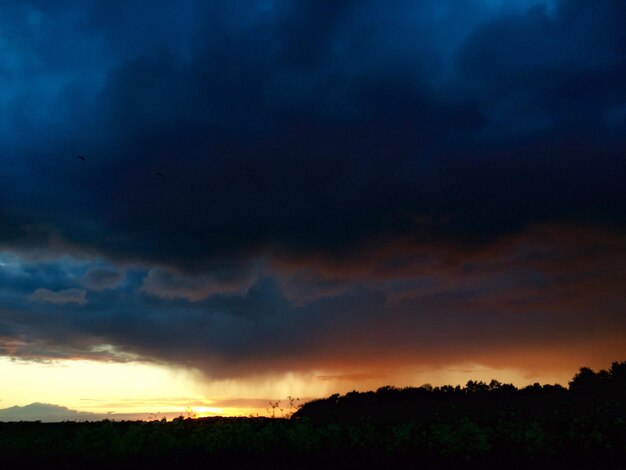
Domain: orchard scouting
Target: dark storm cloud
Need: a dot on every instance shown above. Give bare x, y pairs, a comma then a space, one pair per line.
101, 279
308, 128
64, 296
170, 285
328, 169
551, 292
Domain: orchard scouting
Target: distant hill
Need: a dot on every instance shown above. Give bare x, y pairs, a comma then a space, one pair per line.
44, 412
50, 413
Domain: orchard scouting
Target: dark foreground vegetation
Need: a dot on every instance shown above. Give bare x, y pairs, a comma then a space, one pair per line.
478, 426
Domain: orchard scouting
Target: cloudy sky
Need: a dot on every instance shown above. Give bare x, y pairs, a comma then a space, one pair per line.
296, 198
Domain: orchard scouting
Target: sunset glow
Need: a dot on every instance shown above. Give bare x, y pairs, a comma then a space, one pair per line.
208, 207
145, 391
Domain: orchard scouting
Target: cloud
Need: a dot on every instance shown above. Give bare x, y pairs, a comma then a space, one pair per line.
354, 117
423, 182
61, 297
102, 279
551, 289
170, 285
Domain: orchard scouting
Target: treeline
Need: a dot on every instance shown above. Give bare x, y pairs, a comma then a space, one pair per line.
480, 401
480, 425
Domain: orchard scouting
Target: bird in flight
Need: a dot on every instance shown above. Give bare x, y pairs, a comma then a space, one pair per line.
81, 158
158, 173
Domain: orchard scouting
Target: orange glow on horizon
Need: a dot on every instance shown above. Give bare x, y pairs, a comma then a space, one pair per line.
147, 391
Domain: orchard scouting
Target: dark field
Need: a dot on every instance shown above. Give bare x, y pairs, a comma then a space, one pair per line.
478, 426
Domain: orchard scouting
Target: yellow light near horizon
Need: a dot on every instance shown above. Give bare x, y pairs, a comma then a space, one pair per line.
151, 389
95, 386
207, 410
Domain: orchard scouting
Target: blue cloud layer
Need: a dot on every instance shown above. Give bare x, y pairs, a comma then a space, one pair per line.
296, 140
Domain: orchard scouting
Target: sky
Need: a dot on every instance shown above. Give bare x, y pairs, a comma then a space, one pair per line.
300, 198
